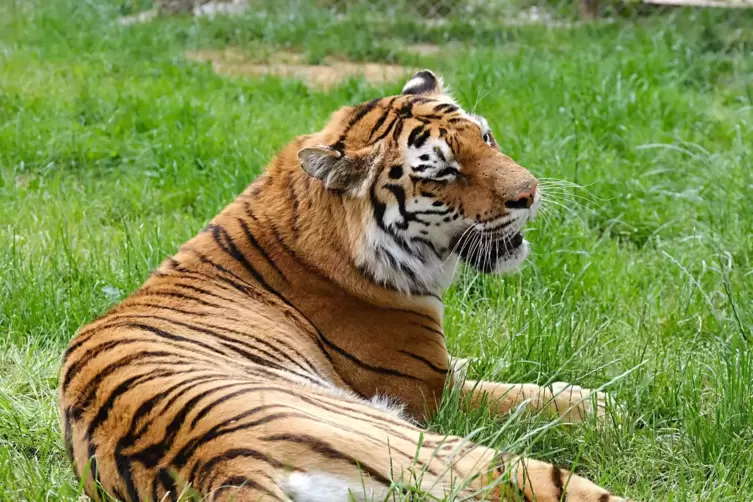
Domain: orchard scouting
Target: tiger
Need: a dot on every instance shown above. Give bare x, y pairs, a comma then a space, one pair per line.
293, 350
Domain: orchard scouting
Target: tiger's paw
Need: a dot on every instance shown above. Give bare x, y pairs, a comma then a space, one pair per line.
574, 404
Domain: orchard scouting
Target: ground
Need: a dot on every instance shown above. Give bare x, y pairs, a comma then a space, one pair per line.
115, 147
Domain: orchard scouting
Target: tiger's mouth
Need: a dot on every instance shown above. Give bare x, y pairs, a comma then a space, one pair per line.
491, 252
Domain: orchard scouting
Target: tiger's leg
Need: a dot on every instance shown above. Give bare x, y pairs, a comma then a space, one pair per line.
560, 399
319, 448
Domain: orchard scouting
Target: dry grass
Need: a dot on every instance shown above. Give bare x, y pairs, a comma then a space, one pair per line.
333, 71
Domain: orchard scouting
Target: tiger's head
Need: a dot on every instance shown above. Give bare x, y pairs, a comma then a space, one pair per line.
429, 185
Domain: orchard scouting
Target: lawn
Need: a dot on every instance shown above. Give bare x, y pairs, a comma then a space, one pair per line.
114, 149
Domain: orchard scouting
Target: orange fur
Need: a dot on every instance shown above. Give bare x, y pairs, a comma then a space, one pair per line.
253, 352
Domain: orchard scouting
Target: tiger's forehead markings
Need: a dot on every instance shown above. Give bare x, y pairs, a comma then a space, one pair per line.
361, 112
395, 111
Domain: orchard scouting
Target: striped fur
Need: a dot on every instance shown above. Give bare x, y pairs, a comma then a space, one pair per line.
290, 350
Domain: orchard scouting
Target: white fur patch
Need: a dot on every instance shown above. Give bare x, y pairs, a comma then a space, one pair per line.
322, 487
513, 259
389, 405
413, 157
433, 273
399, 256
414, 83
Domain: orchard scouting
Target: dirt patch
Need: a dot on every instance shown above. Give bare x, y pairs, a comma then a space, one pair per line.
332, 72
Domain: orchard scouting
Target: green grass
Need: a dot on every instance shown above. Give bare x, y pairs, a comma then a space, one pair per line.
114, 150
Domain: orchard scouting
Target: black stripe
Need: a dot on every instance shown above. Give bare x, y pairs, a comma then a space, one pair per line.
419, 314
447, 171
204, 278
428, 118
176, 338
202, 471
399, 192
167, 482
153, 454
308, 267
151, 291
121, 321
398, 130
229, 247
68, 435
437, 150
557, 482
263, 342
378, 124
376, 369
428, 328
425, 361
414, 134
419, 142
416, 100
177, 283
236, 482
206, 409
262, 251
289, 348
378, 208
360, 112
179, 389
250, 212
295, 207
446, 107
104, 411
504, 224
322, 448
384, 422
90, 354
118, 323
319, 334
228, 342
386, 131
123, 462
187, 451
428, 244
439, 212
239, 283
90, 389
164, 307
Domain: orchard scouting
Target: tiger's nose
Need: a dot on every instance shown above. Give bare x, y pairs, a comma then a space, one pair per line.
523, 200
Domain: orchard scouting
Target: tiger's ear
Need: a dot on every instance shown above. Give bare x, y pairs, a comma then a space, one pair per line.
336, 170
423, 83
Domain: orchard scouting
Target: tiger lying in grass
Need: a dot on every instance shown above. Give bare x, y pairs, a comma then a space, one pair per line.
288, 351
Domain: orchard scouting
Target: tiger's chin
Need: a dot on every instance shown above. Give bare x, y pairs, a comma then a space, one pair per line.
500, 256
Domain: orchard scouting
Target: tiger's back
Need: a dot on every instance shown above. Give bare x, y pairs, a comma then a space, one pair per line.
215, 336
288, 350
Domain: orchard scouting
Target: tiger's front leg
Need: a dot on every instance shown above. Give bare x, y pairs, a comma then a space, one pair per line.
572, 403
